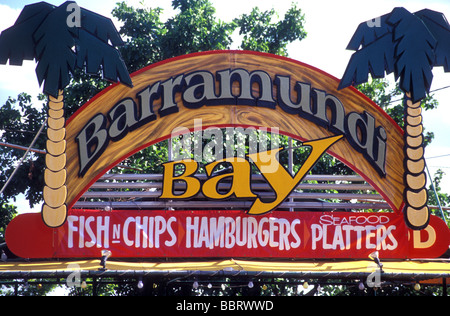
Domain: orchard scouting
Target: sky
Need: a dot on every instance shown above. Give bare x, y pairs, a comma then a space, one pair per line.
330, 25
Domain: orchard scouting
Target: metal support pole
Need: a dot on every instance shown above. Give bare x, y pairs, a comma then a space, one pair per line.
435, 194
170, 149
291, 165
38, 151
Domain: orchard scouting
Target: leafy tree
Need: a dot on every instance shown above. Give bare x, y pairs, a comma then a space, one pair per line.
195, 28
261, 34
19, 121
7, 213
148, 40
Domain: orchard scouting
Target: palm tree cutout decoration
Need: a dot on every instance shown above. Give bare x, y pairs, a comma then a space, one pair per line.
50, 35
408, 45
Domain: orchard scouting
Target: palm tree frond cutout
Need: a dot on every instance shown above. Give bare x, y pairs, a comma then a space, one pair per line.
17, 43
373, 59
409, 45
414, 53
438, 25
42, 33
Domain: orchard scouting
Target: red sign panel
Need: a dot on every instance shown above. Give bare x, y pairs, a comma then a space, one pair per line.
183, 234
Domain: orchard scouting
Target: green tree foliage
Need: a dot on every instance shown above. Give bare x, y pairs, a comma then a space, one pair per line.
7, 213
260, 33
195, 28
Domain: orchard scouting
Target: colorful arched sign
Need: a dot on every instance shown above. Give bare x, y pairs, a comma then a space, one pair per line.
235, 88
230, 89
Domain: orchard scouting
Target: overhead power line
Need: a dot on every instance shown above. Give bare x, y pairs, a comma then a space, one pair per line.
436, 90
435, 157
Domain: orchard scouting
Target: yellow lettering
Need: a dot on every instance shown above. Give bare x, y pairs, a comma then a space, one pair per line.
192, 184
419, 243
240, 180
268, 164
279, 178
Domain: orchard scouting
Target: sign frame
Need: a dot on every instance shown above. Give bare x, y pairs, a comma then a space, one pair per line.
227, 234
231, 89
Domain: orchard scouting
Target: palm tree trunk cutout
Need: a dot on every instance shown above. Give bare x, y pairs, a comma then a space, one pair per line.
54, 211
408, 45
61, 40
416, 196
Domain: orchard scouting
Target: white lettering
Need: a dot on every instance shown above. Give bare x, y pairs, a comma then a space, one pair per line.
336, 237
